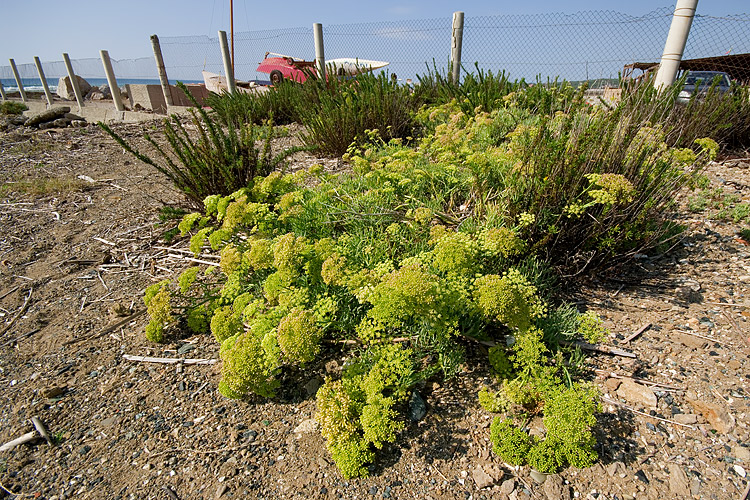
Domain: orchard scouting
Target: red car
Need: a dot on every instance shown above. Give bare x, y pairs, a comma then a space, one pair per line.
280, 66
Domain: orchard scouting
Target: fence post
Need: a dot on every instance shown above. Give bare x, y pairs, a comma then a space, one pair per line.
227, 62
39, 70
73, 81
111, 80
2, 92
165, 88
18, 79
675, 45
320, 59
457, 38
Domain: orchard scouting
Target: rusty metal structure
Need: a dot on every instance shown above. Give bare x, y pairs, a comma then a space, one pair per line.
737, 66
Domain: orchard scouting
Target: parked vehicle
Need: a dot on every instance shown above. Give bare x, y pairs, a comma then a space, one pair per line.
279, 66
699, 82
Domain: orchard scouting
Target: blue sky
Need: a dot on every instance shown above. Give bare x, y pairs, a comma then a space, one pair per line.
47, 28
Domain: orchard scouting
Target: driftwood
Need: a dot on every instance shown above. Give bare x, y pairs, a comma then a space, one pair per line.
640, 331
39, 426
29, 436
186, 361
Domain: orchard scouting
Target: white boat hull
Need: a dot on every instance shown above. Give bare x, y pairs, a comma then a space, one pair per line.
350, 66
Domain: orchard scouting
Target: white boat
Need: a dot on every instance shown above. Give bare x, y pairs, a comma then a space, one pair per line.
215, 83
218, 83
350, 66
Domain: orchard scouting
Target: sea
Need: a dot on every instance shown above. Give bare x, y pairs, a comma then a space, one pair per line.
35, 84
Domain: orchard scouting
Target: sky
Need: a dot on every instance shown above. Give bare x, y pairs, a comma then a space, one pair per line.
47, 28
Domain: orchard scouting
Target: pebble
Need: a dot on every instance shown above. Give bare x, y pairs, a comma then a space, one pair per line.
739, 470
636, 393
417, 407
685, 418
741, 453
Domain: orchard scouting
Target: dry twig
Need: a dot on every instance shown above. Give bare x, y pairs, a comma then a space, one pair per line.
622, 405
640, 331
186, 361
20, 313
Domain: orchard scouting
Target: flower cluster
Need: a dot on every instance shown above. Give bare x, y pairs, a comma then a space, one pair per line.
611, 189
509, 299
299, 335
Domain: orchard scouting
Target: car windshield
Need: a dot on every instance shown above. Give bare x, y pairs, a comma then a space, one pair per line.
706, 78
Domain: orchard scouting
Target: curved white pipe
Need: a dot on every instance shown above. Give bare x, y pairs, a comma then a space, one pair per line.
676, 39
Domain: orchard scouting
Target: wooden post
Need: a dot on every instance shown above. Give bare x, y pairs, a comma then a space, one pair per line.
165, 88
2, 92
73, 81
39, 70
111, 80
18, 79
456, 43
227, 62
320, 59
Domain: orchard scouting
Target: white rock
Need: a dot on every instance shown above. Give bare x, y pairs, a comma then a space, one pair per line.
740, 470
633, 392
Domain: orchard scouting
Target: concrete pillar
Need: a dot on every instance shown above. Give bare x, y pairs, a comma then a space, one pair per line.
320, 59
111, 80
676, 39
457, 37
18, 79
165, 88
2, 92
227, 61
39, 70
73, 81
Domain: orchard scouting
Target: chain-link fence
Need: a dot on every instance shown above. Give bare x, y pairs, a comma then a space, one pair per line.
582, 46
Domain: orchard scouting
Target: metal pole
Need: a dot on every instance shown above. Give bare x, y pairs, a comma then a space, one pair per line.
165, 88
18, 79
682, 19
320, 59
231, 28
2, 92
73, 80
39, 70
456, 43
227, 62
111, 80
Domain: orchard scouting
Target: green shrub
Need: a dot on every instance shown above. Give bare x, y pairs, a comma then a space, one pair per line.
12, 108
338, 112
217, 162
416, 247
277, 104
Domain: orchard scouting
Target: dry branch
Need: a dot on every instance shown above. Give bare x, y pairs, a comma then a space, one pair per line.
18, 314
109, 329
187, 361
705, 338
640, 331
39, 426
599, 348
29, 436
622, 405
605, 373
